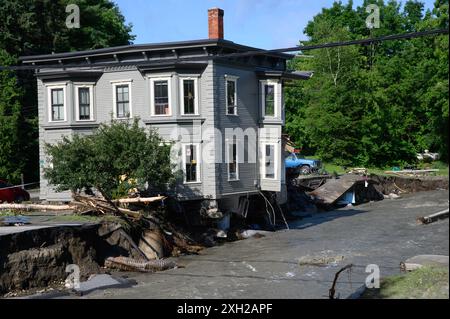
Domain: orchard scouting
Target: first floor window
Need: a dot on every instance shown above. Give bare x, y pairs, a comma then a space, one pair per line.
269, 100
232, 162
231, 97
57, 104
123, 101
189, 96
161, 97
191, 167
269, 161
84, 103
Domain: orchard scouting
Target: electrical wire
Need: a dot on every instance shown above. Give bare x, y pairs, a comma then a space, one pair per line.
299, 48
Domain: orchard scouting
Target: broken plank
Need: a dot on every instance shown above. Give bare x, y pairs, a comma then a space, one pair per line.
333, 189
144, 200
36, 207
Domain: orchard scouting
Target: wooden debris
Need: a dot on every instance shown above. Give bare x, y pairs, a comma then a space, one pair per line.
332, 291
333, 189
413, 172
358, 171
152, 244
130, 264
144, 200
433, 217
41, 207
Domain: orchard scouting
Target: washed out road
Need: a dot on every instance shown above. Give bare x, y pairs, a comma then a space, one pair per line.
286, 264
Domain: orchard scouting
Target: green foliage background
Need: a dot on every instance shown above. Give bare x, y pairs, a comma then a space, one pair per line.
373, 105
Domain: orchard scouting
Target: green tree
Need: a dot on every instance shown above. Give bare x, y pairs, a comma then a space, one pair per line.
114, 159
374, 105
11, 164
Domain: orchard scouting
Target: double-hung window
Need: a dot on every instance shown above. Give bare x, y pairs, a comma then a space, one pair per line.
57, 103
84, 102
233, 164
270, 95
231, 95
269, 99
123, 101
160, 97
123, 104
191, 165
189, 96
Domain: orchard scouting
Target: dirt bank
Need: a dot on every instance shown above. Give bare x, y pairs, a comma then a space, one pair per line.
398, 184
38, 258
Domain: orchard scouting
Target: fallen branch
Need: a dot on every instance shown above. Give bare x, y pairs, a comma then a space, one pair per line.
332, 290
433, 217
144, 200
36, 207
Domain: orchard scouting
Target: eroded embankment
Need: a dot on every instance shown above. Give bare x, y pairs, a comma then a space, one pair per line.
38, 258
395, 184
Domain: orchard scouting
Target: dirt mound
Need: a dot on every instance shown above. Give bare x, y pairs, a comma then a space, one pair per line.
398, 184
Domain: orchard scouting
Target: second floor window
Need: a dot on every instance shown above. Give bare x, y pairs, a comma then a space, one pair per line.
84, 103
57, 104
161, 97
123, 101
231, 96
189, 97
269, 100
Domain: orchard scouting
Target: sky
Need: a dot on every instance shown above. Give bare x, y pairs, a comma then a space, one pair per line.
266, 24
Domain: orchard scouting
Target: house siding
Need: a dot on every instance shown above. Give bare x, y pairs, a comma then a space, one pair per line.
212, 122
247, 119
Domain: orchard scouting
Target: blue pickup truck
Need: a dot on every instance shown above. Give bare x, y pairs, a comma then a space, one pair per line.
301, 165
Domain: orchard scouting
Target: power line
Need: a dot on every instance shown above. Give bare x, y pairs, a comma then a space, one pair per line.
403, 36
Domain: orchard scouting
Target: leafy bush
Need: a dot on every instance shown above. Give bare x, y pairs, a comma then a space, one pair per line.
115, 159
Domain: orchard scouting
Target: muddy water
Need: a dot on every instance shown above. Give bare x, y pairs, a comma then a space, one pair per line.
302, 262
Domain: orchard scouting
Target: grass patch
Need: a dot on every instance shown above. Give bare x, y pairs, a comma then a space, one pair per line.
332, 168
7, 214
423, 283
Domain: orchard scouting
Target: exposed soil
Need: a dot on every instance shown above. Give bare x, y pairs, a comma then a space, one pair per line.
398, 184
38, 258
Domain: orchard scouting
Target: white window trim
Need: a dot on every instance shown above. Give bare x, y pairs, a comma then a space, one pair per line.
183, 155
235, 80
115, 84
276, 103
152, 95
91, 101
263, 160
51, 87
228, 143
196, 100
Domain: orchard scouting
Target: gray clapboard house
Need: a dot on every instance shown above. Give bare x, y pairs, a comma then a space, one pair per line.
191, 92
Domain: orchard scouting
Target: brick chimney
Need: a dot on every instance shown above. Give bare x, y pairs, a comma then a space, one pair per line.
215, 23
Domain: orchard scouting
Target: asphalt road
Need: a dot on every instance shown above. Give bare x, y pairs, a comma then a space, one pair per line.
281, 265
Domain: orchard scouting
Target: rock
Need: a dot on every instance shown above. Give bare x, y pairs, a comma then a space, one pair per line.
424, 260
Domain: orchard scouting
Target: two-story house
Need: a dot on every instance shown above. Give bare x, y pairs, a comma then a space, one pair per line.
223, 109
